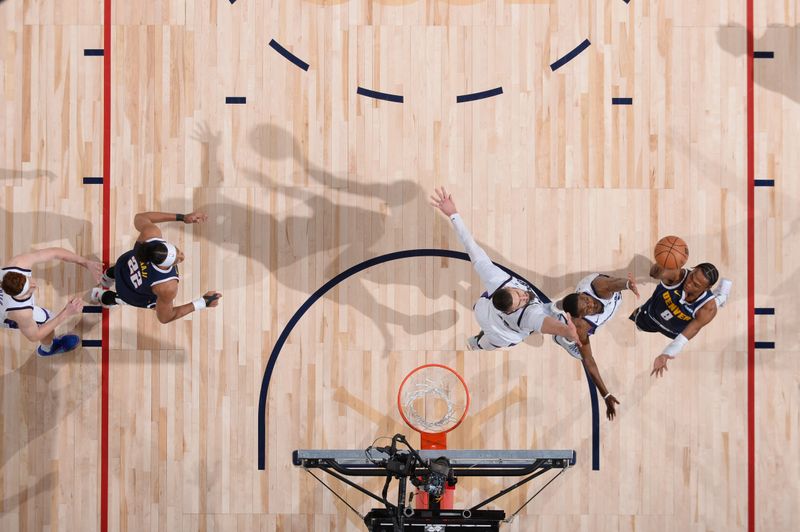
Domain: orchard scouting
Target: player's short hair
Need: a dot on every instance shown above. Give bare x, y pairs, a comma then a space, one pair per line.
13, 283
502, 300
570, 304
710, 271
152, 252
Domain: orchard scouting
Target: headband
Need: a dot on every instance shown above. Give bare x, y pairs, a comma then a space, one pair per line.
25, 287
172, 254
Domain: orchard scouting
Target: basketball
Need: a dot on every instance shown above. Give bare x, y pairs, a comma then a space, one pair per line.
671, 252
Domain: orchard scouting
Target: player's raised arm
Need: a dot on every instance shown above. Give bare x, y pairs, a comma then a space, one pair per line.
605, 286
702, 318
145, 222
31, 259
491, 275
590, 364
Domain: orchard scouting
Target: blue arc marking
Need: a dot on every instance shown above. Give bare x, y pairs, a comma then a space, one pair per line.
275, 45
396, 98
321, 291
571, 55
479, 95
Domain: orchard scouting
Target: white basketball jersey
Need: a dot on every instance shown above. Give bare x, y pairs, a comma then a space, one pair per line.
610, 305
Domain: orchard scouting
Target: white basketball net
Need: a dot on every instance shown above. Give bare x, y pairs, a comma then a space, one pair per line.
433, 399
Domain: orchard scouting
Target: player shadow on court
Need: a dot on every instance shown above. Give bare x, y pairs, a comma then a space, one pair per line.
41, 404
274, 143
41, 407
340, 250
13, 173
313, 236
35, 229
42, 486
776, 75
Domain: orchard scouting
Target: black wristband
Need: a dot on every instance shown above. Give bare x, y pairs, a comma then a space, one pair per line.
180, 217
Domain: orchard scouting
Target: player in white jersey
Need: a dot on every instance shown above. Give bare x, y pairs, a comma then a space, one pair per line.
509, 310
595, 301
18, 310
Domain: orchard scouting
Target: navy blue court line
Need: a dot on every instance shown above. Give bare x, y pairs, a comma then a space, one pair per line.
595, 421
763, 55
288, 55
92, 180
479, 95
765, 345
92, 343
621, 101
765, 311
570, 56
397, 98
321, 291
235, 99
93, 52
92, 309
764, 182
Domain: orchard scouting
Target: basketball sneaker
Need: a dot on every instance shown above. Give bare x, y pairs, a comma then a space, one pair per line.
472, 344
106, 281
569, 347
61, 344
96, 297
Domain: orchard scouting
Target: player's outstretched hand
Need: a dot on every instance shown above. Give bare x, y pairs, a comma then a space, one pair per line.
75, 306
212, 298
96, 268
573, 331
632, 285
195, 218
660, 365
443, 201
611, 410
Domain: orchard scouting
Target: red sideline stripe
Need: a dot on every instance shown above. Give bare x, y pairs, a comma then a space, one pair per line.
106, 261
751, 347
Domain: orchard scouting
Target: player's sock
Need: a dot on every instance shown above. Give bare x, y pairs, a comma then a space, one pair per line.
107, 281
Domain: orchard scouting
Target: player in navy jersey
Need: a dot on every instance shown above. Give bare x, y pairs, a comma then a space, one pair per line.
681, 305
595, 301
147, 276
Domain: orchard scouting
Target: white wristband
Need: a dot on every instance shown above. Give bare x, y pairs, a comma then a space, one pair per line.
606, 396
675, 346
199, 303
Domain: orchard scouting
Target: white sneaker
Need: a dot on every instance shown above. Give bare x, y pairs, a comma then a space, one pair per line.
96, 296
472, 344
722, 292
569, 347
106, 281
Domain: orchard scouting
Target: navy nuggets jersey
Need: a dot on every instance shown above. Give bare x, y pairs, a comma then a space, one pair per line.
667, 311
135, 279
